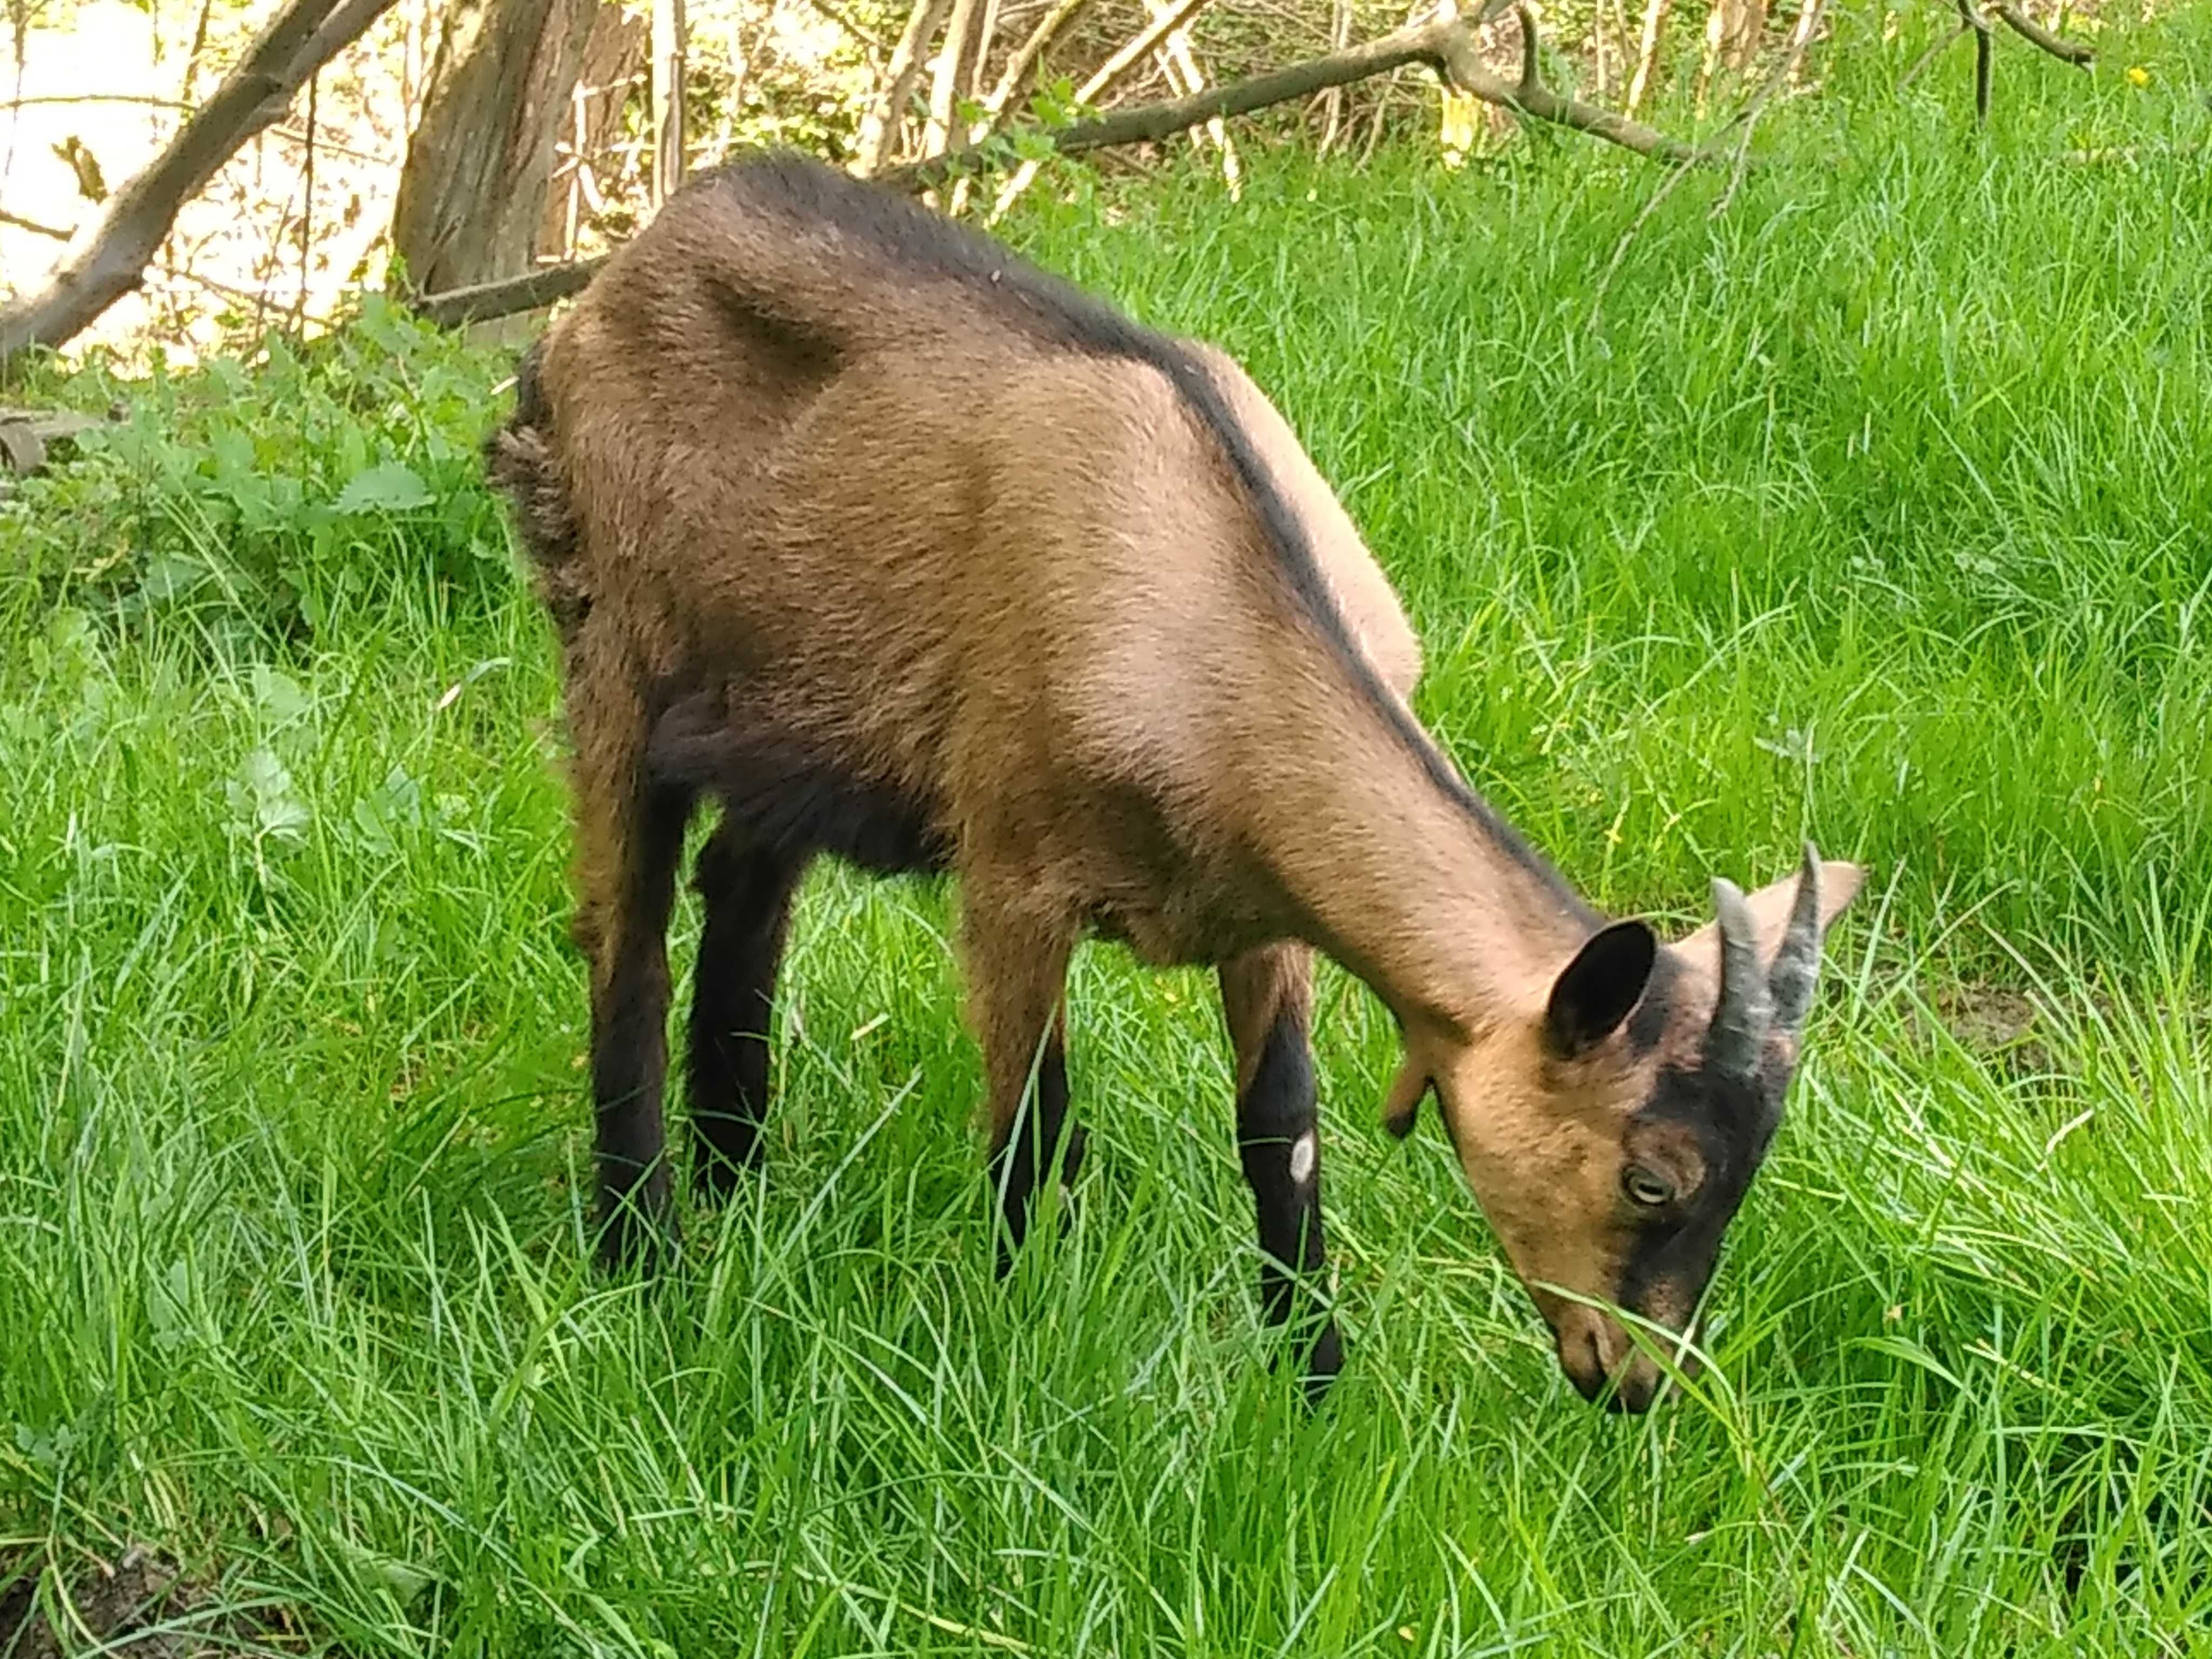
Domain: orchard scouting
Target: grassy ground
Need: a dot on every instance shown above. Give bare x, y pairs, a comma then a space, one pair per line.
1875, 509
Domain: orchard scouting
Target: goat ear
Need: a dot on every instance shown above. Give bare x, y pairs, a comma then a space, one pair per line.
1596, 991
1770, 911
1403, 1103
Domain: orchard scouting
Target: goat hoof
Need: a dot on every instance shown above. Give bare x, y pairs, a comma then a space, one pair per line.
633, 1244
715, 1175
1322, 1365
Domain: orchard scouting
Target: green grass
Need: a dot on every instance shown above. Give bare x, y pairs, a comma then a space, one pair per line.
1877, 508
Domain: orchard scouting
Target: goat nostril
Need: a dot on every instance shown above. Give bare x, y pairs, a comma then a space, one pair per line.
1581, 1357
1637, 1384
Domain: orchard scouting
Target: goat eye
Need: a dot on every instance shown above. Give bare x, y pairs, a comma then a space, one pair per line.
1646, 1189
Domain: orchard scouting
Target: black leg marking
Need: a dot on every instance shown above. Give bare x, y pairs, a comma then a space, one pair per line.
1035, 1131
748, 898
629, 1035
1279, 1140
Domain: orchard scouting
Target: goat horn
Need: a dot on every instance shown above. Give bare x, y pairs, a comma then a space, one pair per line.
1737, 1035
1797, 963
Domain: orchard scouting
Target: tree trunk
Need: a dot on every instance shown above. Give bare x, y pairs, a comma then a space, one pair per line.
472, 191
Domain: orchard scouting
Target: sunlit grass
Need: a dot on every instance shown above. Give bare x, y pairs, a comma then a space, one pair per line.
1874, 509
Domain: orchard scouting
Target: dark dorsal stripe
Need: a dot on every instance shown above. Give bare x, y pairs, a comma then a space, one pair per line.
906, 236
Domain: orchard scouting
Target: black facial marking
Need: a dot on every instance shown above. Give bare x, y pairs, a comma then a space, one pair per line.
1732, 1124
1278, 1143
1648, 1023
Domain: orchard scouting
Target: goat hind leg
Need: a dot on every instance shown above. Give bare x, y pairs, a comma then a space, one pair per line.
748, 895
630, 834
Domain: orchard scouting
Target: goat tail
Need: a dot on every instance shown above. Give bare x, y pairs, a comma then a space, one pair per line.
520, 462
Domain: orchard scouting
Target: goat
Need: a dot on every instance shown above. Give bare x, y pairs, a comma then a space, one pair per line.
906, 552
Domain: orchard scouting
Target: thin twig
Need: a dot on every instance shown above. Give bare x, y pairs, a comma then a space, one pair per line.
1933, 52
1747, 118
1800, 38
35, 226
1132, 51
323, 142
141, 100
1381, 117
307, 212
1647, 55
257, 298
844, 20
1027, 55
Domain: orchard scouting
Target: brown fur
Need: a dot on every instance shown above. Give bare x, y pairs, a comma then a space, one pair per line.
905, 554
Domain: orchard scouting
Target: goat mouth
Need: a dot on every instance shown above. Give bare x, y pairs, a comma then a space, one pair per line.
1606, 1367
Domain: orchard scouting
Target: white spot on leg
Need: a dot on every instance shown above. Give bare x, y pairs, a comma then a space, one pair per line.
1305, 1152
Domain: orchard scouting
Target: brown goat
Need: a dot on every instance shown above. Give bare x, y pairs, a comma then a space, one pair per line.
903, 551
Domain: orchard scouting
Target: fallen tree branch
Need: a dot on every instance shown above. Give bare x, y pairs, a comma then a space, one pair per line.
1448, 47
110, 262
482, 302
2067, 52
1456, 53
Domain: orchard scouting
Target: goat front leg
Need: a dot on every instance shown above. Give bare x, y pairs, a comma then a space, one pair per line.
1266, 996
630, 834
1016, 964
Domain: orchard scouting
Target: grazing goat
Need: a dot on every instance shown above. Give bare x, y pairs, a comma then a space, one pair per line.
903, 551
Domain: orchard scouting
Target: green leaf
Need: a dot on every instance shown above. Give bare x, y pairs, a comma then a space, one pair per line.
262, 800
280, 697
380, 815
386, 487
